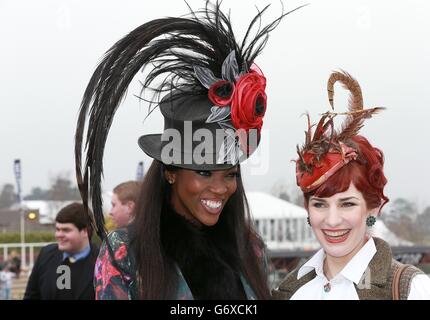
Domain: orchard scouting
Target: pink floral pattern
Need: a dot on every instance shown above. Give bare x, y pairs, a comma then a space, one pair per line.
111, 283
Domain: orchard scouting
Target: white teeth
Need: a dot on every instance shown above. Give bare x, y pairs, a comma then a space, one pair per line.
212, 204
335, 233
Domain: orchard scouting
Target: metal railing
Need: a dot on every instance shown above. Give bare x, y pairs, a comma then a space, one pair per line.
27, 250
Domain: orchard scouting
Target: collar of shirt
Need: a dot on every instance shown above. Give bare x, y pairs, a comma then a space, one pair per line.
354, 269
78, 256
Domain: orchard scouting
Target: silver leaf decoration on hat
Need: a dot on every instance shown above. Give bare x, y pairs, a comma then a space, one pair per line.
230, 68
230, 72
226, 124
229, 151
218, 114
205, 76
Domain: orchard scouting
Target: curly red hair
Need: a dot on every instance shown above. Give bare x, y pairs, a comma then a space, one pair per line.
366, 173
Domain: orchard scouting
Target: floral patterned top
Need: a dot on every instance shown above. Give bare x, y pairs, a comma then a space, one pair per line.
115, 280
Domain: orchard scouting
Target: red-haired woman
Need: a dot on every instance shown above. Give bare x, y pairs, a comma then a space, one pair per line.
342, 179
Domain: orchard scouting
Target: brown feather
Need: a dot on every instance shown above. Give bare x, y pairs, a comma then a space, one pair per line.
355, 99
354, 123
319, 130
322, 139
309, 132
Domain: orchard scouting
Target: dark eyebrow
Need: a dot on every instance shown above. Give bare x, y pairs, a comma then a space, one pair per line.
317, 199
63, 228
342, 199
348, 198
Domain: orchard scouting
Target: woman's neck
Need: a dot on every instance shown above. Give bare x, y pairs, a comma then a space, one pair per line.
334, 265
190, 219
180, 210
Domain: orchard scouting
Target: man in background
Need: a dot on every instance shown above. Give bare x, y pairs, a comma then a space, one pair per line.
64, 270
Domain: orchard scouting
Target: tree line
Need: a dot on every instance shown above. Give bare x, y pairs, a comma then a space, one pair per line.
61, 189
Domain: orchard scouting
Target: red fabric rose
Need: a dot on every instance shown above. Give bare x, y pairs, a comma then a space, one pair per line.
221, 93
248, 105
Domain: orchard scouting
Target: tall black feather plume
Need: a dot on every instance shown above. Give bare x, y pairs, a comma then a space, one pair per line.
171, 47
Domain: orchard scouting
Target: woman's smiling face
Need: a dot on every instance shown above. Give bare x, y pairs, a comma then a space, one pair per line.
339, 221
200, 196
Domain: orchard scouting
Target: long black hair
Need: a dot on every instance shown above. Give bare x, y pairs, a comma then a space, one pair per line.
156, 274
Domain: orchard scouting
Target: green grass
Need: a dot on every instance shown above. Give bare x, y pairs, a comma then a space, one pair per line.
15, 237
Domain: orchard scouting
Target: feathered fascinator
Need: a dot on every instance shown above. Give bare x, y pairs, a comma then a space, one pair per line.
198, 74
326, 150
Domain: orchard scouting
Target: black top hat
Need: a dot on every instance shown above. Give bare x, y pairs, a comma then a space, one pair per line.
179, 145
211, 131
211, 83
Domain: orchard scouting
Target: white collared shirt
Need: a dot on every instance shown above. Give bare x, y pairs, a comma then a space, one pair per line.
341, 287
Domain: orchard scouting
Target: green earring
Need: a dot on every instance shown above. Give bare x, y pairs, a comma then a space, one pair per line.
370, 221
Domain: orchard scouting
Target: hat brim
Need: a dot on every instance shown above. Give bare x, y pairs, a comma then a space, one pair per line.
151, 145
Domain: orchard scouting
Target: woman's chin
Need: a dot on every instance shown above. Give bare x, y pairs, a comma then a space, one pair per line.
339, 250
335, 252
335, 249
210, 220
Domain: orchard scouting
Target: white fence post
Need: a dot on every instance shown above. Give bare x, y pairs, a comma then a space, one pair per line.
5, 254
31, 257
31, 246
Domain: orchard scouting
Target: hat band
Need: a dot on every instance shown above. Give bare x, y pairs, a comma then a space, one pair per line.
348, 154
188, 142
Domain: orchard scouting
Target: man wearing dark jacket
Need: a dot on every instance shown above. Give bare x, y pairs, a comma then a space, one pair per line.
64, 271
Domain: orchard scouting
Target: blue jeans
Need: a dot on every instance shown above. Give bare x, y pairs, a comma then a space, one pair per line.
5, 293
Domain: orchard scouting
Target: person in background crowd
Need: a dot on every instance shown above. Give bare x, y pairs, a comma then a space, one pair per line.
124, 199
65, 270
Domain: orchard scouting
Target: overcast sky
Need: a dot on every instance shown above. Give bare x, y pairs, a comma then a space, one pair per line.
49, 50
